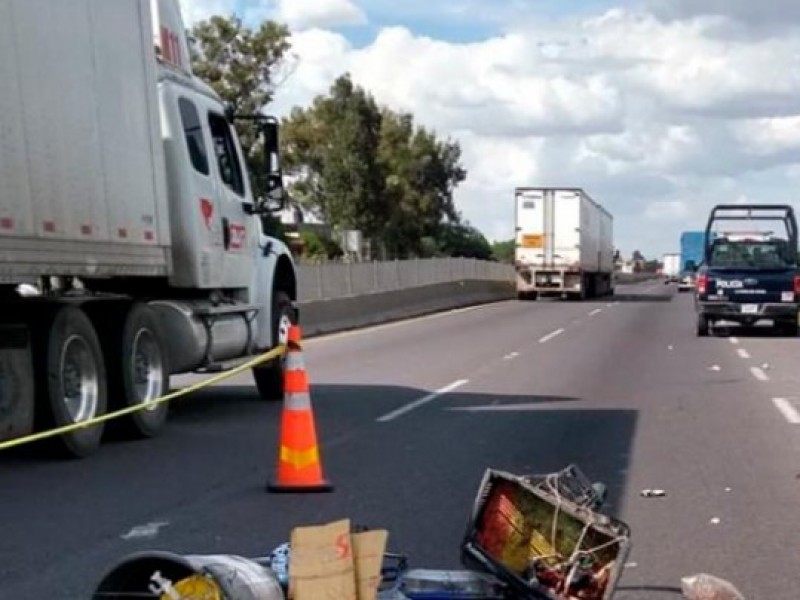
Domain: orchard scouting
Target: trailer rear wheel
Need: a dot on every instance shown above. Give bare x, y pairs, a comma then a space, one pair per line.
137, 369
70, 377
269, 377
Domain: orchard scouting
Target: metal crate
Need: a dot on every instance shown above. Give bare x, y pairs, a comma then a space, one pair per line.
511, 529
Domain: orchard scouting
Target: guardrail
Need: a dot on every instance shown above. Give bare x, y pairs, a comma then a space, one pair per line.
330, 281
634, 277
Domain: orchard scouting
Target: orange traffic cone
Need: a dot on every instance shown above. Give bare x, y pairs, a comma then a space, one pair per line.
299, 467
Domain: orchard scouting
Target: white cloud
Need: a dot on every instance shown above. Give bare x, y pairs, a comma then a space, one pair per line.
670, 210
658, 112
761, 14
198, 10
304, 14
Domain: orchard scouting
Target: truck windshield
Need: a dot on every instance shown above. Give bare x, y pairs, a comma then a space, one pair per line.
757, 255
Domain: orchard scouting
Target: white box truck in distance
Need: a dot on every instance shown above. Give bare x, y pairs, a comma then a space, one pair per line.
126, 207
671, 269
564, 244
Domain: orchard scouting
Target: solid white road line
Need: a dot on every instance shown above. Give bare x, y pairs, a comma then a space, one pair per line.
788, 410
422, 401
596, 311
511, 355
759, 374
743, 353
551, 335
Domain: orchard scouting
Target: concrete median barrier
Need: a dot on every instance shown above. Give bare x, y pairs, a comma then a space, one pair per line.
340, 314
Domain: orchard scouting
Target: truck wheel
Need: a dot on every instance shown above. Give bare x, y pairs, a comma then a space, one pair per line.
137, 369
269, 377
16, 383
702, 326
70, 377
524, 296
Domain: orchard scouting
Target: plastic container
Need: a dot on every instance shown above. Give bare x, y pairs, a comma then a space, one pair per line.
162, 575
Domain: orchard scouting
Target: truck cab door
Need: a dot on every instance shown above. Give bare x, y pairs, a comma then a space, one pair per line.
239, 235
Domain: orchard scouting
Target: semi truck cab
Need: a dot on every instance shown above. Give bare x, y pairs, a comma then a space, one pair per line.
132, 246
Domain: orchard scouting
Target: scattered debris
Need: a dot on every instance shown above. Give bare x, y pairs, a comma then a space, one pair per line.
574, 552
708, 587
145, 532
653, 493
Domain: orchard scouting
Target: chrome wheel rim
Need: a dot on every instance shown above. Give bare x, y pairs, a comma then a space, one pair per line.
147, 368
80, 382
283, 330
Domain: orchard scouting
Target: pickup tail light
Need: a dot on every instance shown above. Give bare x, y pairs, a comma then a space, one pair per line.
702, 284
797, 285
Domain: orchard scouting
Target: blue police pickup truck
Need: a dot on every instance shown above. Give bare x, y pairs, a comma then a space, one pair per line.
749, 276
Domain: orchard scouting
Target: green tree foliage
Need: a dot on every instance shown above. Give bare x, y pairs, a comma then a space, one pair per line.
504, 251
241, 63
463, 240
317, 247
420, 174
359, 166
331, 149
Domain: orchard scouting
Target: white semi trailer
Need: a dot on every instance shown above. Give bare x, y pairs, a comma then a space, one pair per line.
564, 244
131, 245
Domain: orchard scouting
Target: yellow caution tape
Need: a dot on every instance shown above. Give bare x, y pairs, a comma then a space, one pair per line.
43, 435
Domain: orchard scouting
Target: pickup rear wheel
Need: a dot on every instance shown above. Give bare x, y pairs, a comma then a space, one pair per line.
702, 326
269, 377
70, 377
789, 328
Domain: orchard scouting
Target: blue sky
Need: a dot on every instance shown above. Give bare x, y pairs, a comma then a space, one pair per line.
448, 20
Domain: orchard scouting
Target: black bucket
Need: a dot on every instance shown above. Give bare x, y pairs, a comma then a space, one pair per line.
154, 574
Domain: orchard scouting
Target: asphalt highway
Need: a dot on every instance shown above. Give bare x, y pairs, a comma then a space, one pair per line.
411, 414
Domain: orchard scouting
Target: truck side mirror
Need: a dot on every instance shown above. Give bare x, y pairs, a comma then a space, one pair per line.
275, 194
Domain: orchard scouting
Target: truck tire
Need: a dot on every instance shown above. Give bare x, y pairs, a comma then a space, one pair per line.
527, 296
16, 382
137, 370
269, 377
70, 377
702, 326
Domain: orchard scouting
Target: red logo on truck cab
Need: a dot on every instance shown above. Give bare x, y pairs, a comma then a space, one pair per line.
238, 236
207, 210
